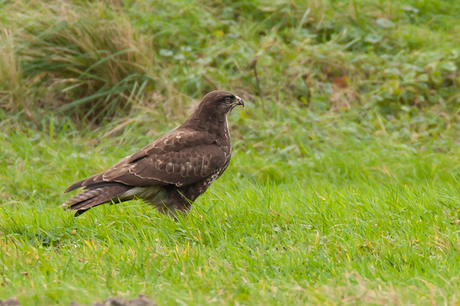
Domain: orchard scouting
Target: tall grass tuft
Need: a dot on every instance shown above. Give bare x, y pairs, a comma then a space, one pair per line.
11, 85
89, 54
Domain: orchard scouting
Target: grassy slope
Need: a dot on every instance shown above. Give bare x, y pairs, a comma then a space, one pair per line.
325, 201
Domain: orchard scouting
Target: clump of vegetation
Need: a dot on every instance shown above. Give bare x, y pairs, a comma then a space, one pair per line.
10, 74
88, 58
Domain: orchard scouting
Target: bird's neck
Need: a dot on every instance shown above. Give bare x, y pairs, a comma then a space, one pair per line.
213, 123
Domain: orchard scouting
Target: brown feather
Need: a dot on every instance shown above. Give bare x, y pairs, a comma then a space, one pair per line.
96, 196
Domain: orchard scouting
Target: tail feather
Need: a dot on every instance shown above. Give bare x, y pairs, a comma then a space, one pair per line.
86, 182
95, 196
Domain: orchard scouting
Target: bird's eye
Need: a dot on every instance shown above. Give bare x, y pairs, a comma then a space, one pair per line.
227, 100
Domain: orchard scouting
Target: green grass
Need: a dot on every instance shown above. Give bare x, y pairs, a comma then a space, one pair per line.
350, 214
343, 186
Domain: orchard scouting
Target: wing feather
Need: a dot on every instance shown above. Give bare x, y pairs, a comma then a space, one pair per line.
180, 158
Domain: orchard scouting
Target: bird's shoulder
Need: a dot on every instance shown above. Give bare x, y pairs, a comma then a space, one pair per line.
180, 157
177, 141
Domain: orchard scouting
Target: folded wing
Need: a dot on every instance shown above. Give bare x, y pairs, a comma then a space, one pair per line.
178, 158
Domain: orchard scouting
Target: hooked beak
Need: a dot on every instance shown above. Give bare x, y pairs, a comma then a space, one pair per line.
239, 101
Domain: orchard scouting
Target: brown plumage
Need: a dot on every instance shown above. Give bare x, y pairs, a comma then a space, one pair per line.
174, 170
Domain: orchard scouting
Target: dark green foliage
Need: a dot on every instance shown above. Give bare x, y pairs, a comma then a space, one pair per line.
98, 60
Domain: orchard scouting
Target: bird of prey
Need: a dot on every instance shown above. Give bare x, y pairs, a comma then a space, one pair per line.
174, 170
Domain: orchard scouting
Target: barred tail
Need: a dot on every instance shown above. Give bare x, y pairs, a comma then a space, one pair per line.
96, 196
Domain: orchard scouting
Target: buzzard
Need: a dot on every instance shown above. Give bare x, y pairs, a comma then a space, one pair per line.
174, 170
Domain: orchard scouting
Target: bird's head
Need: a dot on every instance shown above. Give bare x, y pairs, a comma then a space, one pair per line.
220, 102
212, 111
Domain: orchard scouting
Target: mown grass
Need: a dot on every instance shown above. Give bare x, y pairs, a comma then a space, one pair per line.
343, 187
332, 212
